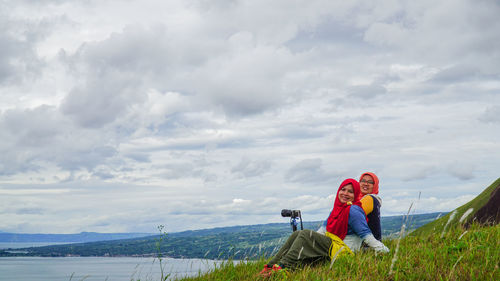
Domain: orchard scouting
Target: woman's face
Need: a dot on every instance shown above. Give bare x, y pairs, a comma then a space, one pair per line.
366, 184
346, 194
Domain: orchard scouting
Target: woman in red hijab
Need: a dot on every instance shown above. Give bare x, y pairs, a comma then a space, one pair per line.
337, 222
346, 221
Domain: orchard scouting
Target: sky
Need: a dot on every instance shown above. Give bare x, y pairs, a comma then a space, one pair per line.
121, 116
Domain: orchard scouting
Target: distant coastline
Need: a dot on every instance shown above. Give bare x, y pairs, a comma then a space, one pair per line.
234, 242
20, 245
82, 237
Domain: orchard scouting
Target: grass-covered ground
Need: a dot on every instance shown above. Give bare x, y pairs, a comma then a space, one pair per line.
456, 254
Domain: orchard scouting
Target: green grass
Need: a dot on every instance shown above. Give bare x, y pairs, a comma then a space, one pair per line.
472, 254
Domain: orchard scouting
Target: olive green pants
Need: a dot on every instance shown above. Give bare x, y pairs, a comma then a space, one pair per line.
304, 246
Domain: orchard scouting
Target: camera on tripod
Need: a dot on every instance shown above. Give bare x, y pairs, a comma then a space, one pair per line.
294, 215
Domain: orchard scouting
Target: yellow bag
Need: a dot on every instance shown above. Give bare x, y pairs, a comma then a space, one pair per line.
338, 246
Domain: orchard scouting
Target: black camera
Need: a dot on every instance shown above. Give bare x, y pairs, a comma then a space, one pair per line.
290, 213
294, 215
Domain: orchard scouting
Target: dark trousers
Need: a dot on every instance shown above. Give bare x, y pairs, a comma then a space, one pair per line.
304, 246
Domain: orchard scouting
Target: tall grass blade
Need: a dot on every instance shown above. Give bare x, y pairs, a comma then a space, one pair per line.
452, 216
466, 214
453, 268
401, 234
335, 256
300, 252
460, 237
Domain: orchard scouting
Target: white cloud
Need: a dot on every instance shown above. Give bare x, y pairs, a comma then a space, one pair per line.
401, 206
491, 114
307, 171
248, 168
221, 113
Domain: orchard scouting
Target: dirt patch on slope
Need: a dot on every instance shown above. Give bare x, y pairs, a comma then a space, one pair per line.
489, 214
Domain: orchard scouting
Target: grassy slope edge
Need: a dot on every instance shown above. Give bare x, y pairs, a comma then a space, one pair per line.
475, 204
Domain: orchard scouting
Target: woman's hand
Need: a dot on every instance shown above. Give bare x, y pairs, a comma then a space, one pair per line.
378, 246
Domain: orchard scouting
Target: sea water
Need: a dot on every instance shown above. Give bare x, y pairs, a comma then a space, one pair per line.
99, 268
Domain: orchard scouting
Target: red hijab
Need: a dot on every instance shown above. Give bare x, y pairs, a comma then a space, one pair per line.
339, 217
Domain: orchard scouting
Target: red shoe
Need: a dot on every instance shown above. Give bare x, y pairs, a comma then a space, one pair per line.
277, 268
266, 272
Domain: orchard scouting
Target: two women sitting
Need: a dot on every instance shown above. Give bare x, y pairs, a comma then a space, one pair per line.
346, 228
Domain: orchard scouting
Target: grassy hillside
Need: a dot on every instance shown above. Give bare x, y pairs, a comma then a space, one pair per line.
459, 255
476, 203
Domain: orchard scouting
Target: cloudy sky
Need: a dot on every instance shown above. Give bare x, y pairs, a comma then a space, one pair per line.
119, 116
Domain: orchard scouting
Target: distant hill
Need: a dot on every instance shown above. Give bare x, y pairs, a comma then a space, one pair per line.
69, 238
466, 213
237, 242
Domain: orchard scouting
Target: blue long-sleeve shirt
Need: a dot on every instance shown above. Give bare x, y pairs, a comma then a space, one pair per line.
356, 223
